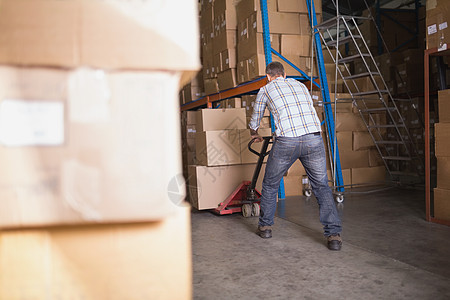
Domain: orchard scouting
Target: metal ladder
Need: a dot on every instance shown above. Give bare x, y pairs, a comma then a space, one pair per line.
398, 152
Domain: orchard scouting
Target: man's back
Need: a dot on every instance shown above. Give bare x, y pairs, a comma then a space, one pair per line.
291, 106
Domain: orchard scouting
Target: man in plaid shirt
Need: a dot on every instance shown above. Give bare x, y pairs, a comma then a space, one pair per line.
298, 136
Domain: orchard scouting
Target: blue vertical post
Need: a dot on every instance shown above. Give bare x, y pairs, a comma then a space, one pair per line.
326, 96
268, 56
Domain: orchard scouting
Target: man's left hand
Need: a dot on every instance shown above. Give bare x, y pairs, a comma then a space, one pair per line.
257, 138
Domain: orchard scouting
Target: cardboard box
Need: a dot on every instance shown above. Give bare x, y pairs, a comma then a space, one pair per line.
298, 6
279, 22
248, 157
234, 103
209, 186
344, 140
189, 117
217, 148
346, 177
295, 45
227, 79
296, 169
293, 185
254, 44
375, 158
368, 175
442, 137
224, 19
444, 106
349, 122
99, 34
354, 159
442, 204
211, 86
443, 172
246, 8
228, 59
188, 145
225, 40
76, 144
189, 131
220, 119
438, 32
257, 65
362, 140
151, 260
242, 71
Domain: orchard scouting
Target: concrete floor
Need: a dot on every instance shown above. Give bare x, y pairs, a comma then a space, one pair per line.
389, 252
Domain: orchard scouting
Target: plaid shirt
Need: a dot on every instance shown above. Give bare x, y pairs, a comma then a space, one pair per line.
291, 106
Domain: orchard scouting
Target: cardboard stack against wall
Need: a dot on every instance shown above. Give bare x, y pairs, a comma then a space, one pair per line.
223, 160
442, 138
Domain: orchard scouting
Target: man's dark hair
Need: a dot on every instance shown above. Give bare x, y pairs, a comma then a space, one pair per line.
275, 69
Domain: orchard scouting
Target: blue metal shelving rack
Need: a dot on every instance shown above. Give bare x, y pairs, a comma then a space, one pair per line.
251, 87
329, 120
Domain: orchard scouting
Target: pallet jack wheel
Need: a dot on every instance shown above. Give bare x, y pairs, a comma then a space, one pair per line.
256, 210
340, 198
246, 210
307, 193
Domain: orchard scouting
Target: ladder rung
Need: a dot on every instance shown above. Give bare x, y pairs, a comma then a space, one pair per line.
385, 126
343, 40
377, 109
360, 75
396, 157
332, 22
352, 58
389, 142
400, 173
370, 92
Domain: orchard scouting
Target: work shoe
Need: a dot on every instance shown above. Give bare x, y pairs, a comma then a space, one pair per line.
334, 242
265, 232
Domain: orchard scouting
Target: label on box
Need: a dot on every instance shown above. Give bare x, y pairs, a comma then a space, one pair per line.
31, 123
432, 29
443, 47
442, 26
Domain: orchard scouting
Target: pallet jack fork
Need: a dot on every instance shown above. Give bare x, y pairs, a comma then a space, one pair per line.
245, 197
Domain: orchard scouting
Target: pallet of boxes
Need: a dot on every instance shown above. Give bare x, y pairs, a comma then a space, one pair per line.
222, 159
90, 186
442, 139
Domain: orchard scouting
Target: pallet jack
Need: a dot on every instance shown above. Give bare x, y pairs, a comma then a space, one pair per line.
245, 197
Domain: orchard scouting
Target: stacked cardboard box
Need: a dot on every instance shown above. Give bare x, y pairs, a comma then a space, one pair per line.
290, 35
437, 18
395, 36
223, 160
77, 146
442, 134
193, 90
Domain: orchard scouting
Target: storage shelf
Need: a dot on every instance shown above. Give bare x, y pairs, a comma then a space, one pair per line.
240, 90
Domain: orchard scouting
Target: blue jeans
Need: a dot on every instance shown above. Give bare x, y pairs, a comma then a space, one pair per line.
310, 150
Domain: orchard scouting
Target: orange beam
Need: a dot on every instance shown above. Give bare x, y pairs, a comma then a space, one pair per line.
440, 221
233, 92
